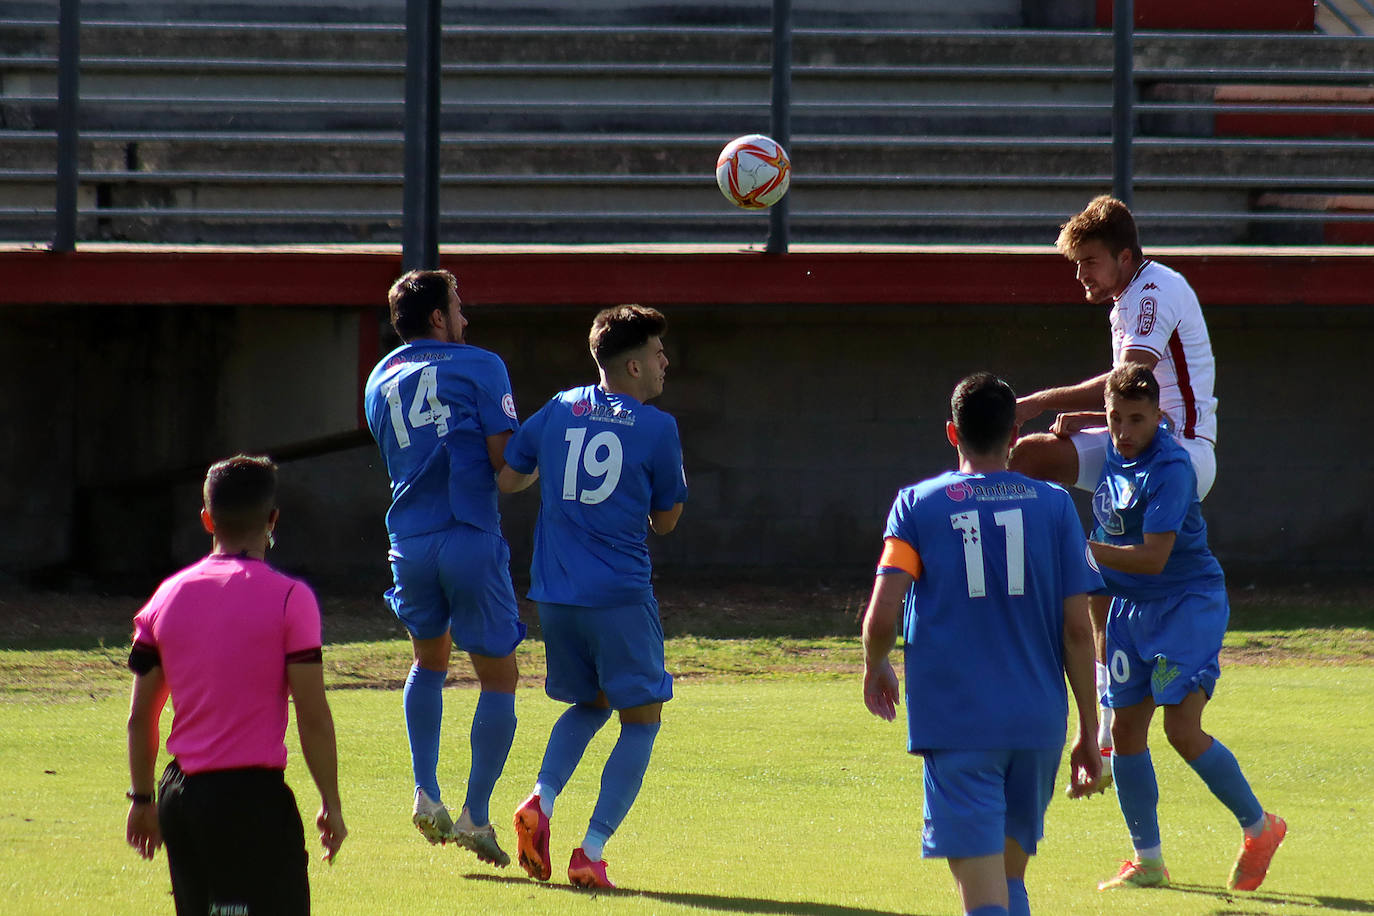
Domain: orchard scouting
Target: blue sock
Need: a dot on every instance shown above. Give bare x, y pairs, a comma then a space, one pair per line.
1218, 768
493, 730
568, 741
423, 700
1018, 903
1138, 793
989, 911
620, 781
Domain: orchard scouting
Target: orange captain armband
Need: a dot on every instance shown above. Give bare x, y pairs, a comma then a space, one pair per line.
898, 554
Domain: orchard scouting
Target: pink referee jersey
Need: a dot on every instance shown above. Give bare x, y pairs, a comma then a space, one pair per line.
224, 630
1159, 312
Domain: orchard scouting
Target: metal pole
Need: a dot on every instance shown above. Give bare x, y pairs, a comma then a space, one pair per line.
1123, 97
781, 126
420, 236
68, 99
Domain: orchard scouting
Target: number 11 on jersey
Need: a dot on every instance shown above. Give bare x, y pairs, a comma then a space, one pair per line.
1008, 519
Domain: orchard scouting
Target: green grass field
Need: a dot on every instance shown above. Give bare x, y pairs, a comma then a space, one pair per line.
768, 794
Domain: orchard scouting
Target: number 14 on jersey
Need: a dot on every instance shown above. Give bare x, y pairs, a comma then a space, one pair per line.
425, 407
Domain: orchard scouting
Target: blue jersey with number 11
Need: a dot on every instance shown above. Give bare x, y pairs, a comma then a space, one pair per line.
998, 555
431, 406
605, 461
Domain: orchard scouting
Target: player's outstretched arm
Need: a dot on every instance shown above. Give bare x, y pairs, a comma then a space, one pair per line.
882, 693
141, 830
315, 724
1066, 424
1145, 559
1086, 395
1085, 762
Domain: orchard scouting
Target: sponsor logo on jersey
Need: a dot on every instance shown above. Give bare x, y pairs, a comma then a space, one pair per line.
1104, 510
1146, 322
989, 492
958, 492
421, 357
1149, 286
602, 413
508, 405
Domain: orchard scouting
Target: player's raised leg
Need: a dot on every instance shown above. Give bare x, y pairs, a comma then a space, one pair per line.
568, 741
1045, 456
423, 701
1217, 767
621, 780
1075, 461
493, 730
1098, 608
1137, 792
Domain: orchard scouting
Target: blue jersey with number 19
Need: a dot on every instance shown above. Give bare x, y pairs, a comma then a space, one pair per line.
431, 406
605, 461
998, 554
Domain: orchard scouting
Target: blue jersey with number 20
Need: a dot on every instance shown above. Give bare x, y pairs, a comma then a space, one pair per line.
431, 406
605, 460
1155, 493
984, 621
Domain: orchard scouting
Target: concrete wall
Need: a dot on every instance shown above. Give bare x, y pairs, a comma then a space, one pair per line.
798, 425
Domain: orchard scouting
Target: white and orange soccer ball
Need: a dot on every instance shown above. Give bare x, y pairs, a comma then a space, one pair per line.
753, 172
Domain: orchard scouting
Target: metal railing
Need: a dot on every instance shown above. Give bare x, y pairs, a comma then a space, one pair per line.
421, 214
68, 100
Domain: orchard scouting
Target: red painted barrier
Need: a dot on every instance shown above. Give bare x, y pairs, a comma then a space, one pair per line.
1218, 15
663, 275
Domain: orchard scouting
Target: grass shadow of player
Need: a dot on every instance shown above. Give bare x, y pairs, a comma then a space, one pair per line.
720, 902
1290, 902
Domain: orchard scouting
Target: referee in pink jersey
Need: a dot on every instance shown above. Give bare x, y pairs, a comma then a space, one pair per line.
230, 639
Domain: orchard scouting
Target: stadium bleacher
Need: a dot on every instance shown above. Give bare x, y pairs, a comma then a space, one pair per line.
945, 130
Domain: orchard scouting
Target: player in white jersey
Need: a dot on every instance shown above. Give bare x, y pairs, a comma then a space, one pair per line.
1156, 321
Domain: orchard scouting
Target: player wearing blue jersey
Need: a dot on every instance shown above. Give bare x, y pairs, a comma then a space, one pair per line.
990, 574
610, 468
1164, 630
442, 412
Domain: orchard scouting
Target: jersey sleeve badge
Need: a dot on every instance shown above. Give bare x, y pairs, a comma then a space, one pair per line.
1145, 321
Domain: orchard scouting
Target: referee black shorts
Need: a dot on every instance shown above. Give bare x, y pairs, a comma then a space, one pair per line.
235, 843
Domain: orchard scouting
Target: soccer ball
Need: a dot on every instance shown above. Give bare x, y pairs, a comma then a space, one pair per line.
753, 172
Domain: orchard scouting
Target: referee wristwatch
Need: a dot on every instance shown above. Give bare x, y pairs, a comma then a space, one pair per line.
139, 798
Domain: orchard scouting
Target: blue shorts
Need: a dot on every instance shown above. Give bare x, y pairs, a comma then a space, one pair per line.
1166, 648
457, 580
617, 651
975, 800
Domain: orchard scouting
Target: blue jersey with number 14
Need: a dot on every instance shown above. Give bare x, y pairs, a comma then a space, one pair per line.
605, 461
984, 624
431, 406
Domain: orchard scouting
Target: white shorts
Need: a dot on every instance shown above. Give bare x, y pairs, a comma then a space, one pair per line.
1091, 445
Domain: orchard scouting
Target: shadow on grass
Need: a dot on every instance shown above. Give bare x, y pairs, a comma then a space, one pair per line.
720, 902
1290, 902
